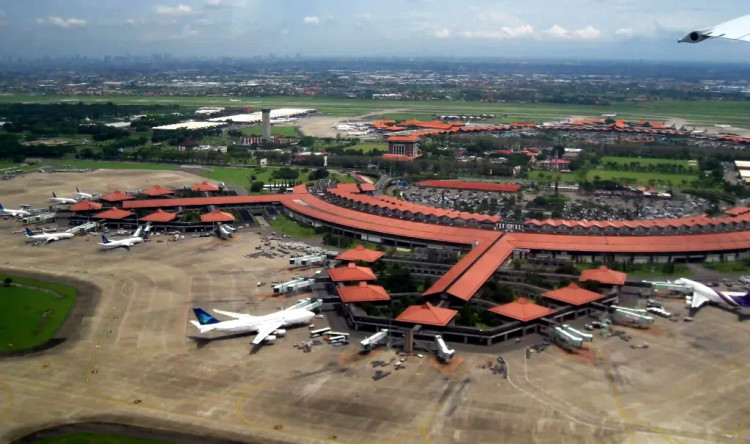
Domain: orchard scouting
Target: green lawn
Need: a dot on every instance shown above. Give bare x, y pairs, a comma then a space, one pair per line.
367, 147
242, 176
284, 225
639, 178
729, 266
697, 111
257, 130
103, 164
31, 312
548, 175
95, 438
625, 161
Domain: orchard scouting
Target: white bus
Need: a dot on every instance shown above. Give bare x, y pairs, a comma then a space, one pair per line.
319, 332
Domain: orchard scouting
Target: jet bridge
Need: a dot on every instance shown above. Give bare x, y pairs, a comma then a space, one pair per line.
307, 303
371, 342
567, 336
295, 284
443, 352
313, 259
631, 316
670, 286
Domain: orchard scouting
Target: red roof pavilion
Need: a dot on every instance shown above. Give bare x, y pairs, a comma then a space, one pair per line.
157, 190
159, 216
573, 294
86, 205
366, 187
360, 253
117, 196
113, 213
217, 216
427, 314
522, 310
363, 293
351, 273
204, 186
603, 275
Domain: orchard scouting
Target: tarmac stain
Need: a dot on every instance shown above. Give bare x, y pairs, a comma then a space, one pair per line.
656, 330
357, 357
584, 355
446, 369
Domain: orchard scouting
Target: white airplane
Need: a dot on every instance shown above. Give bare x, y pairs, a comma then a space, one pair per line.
61, 200
122, 243
703, 293
15, 213
736, 29
267, 327
81, 195
47, 237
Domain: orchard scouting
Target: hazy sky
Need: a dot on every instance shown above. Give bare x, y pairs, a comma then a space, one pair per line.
611, 29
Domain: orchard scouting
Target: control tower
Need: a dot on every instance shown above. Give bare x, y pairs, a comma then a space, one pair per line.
266, 121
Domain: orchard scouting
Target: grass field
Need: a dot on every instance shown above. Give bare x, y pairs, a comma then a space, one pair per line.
257, 130
242, 176
625, 161
729, 266
292, 228
103, 164
367, 147
698, 112
95, 438
31, 312
639, 178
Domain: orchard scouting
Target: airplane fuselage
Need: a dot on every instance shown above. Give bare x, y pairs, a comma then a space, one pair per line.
122, 243
48, 237
253, 324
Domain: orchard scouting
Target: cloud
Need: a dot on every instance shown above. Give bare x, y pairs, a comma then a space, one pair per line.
366, 16
284, 31
443, 33
311, 20
213, 2
174, 11
68, 23
504, 33
624, 32
560, 33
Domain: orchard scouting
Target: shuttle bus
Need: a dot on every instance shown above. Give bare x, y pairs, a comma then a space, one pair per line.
319, 332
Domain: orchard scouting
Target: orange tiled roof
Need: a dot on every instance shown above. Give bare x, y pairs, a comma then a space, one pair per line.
116, 196
522, 310
113, 214
363, 293
360, 253
204, 186
464, 185
157, 190
404, 138
217, 216
427, 314
573, 294
86, 205
159, 216
603, 275
351, 273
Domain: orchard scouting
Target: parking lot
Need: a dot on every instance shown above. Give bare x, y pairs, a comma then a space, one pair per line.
135, 360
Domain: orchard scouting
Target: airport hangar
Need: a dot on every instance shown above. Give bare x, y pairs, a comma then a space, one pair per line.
482, 236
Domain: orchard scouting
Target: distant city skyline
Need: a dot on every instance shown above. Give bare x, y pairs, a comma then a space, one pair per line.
586, 29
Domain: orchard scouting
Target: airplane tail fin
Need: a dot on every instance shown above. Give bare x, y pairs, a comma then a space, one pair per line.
29, 233
138, 231
105, 240
77, 190
203, 317
53, 194
202, 328
1, 207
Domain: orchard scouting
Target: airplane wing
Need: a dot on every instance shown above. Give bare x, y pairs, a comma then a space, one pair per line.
698, 300
736, 29
265, 330
232, 314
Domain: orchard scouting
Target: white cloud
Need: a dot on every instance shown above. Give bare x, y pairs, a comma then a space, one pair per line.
504, 33
189, 31
311, 20
560, 33
68, 23
587, 33
624, 32
284, 31
443, 33
174, 11
213, 2
366, 16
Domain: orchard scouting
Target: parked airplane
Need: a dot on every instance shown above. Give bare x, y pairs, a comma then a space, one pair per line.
267, 327
122, 243
736, 29
703, 293
15, 213
61, 200
81, 195
47, 237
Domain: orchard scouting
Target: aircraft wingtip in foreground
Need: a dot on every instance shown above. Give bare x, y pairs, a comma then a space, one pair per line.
736, 29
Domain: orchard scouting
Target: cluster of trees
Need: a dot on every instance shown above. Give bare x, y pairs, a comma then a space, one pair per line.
11, 148
498, 293
665, 168
395, 278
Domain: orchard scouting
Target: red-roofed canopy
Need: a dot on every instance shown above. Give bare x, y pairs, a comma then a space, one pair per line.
360, 253
113, 214
427, 314
366, 187
157, 190
204, 186
522, 310
159, 216
217, 216
603, 275
86, 205
351, 273
117, 196
363, 293
573, 294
